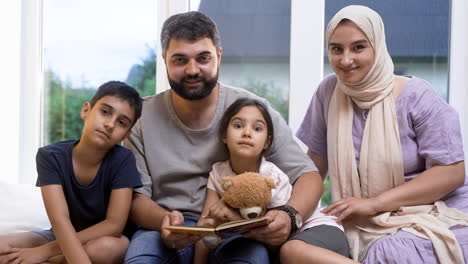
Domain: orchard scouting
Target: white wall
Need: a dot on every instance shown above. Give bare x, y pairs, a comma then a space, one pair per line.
458, 82
10, 17
306, 57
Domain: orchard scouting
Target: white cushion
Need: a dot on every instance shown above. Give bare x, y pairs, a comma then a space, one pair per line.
21, 208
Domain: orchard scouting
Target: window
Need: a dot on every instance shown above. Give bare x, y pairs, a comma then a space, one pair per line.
87, 43
256, 43
417, 37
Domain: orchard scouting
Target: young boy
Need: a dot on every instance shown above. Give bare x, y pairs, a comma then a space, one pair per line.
86, 186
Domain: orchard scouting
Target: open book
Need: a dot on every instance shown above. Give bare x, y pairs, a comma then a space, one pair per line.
223, 231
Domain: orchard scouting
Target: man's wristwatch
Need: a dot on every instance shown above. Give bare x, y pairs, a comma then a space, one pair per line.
296, 218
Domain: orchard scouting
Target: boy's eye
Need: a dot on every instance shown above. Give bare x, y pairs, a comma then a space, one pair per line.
105, 112
123, 123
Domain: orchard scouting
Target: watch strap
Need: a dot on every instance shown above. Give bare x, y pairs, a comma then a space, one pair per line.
292, 215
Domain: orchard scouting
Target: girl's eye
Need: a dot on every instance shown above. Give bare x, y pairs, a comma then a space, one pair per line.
237, 125
258, 128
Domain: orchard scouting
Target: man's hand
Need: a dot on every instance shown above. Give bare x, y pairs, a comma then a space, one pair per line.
176, 241
350, 206
222, 213
276, 232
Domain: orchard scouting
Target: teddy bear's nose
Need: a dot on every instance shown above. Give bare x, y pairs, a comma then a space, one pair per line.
252, 215
251, 212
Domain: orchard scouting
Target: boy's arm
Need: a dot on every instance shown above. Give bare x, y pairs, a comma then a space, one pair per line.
116, 217
67, 241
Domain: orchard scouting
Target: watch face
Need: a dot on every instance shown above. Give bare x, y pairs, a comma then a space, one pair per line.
298, 221
295, 213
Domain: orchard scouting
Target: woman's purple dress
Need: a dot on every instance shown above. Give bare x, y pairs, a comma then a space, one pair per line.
429, 134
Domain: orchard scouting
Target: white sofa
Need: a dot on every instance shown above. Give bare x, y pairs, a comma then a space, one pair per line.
21, 208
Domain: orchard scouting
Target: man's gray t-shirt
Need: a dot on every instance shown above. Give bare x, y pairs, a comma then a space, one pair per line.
174, 161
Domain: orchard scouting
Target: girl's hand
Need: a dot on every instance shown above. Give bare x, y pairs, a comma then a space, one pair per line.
221, 213
206, 221
347, 207
28, 256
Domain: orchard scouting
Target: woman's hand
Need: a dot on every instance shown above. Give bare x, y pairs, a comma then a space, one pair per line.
347, 207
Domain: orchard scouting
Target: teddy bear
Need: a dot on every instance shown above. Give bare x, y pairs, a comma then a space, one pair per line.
249, 192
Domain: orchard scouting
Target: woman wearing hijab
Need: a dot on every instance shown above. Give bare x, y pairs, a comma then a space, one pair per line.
392, 149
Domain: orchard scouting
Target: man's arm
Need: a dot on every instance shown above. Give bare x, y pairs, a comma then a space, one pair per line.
146, 212
307, 183
307, 191
320, 161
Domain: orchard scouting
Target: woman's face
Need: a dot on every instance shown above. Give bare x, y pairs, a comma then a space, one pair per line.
350, 53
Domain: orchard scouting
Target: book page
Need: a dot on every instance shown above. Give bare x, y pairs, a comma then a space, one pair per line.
225, 230
191, 230
240, 227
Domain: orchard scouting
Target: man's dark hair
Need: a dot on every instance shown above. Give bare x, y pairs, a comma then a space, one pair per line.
235, 107
120, 90
191, 26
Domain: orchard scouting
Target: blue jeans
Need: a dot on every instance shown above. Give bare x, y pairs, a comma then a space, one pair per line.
147, 247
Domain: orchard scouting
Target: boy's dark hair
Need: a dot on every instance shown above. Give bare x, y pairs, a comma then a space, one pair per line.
191, 26
120, 90
235, 107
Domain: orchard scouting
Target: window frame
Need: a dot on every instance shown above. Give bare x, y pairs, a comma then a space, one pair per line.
306, 69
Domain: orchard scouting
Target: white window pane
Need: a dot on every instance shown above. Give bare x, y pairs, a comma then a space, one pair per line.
87, 43
417, 34
255, 36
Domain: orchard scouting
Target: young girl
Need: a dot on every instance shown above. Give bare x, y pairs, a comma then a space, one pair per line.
247, 130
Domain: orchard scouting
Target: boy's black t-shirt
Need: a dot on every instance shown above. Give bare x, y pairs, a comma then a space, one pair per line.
88, 204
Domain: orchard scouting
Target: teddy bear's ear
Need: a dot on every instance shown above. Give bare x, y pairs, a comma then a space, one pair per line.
226, 183
270, 183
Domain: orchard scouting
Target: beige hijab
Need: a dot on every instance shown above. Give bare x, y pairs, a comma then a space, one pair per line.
381, 162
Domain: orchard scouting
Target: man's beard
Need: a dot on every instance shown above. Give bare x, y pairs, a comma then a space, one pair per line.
193, 93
